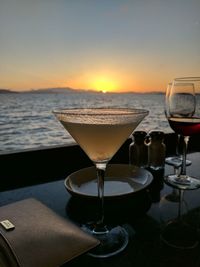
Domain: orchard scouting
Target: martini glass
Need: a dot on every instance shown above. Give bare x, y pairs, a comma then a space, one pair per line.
100, 132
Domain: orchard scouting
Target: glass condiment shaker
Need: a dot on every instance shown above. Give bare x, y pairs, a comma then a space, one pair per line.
156, 150
138, 150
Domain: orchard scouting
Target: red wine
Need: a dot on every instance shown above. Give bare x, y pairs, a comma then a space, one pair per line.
185, 126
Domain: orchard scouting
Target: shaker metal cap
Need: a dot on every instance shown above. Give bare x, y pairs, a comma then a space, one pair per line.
157, 134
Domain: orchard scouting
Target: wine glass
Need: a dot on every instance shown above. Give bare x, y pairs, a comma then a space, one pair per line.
184, 118
176, 160
100, 132
177, 233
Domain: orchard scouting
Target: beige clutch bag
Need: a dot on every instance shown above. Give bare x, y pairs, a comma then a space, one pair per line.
32, 235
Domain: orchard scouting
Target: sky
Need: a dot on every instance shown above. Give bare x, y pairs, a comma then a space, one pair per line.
105, 45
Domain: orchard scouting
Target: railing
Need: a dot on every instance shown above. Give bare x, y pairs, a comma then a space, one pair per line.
24, 168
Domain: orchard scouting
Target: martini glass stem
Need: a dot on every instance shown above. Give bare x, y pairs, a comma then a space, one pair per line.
100, 169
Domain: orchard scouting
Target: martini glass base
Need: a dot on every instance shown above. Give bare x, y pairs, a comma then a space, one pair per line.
182, 182
178, 234
112, 242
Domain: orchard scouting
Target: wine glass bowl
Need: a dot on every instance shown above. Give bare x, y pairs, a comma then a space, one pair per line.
100, 132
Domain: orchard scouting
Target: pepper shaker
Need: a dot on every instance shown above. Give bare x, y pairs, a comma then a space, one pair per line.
138, 150
156, 150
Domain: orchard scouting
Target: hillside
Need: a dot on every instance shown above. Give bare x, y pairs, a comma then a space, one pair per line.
6, 91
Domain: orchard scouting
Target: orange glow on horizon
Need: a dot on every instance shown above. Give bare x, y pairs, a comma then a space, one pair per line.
108, 82
104, 84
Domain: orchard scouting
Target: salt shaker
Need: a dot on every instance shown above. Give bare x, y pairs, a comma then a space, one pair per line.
156, 150
138, 150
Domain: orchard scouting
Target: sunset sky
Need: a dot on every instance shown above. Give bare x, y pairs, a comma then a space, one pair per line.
106, 45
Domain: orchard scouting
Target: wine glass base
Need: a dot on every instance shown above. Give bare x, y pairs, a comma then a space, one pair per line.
178, 234
182, 182
176, 161
172, 197
112, 241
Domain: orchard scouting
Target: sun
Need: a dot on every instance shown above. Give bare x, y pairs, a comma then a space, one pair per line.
104, 84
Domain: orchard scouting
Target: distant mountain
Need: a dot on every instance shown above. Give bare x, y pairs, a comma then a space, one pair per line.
58, 90
6, 91
63, 90
67, 90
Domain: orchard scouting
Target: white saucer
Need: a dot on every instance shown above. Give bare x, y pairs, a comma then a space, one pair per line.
120, 180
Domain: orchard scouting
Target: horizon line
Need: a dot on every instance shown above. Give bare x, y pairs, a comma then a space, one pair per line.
35, 90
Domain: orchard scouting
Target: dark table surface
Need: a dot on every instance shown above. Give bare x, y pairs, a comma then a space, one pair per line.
142, 213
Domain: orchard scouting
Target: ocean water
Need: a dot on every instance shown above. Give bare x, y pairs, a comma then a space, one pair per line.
26, 120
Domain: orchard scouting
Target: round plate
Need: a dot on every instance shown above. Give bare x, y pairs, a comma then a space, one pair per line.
120, 180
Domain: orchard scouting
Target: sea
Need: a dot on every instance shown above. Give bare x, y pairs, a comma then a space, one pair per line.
27, 121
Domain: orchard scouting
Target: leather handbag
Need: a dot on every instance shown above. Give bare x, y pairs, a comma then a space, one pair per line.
32, 235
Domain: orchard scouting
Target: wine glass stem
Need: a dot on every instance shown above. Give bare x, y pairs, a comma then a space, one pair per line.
180, 204
183, 166
176, 170
177, 145
100, 169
